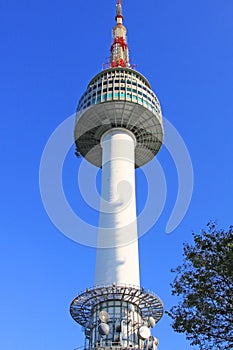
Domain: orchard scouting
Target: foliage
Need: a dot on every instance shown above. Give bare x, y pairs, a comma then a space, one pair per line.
204, 283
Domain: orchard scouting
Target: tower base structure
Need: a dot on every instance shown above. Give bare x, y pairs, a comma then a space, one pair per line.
117, 317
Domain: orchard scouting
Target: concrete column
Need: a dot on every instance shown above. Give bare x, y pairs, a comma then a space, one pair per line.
117, 253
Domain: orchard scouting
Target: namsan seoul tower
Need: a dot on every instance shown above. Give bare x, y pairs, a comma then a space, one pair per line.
118, 128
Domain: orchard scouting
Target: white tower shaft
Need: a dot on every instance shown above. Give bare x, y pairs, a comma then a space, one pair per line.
117, 253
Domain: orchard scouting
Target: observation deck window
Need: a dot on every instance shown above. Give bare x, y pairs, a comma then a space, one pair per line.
149, 105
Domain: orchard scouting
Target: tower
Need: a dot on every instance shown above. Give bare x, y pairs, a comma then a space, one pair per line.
118, 128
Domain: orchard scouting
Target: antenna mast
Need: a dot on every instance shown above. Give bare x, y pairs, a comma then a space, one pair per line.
119, 48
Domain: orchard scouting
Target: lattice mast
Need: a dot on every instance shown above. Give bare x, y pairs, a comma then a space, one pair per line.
118, 127
119, 48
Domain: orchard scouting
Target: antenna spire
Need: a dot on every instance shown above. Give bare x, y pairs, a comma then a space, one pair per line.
119, 48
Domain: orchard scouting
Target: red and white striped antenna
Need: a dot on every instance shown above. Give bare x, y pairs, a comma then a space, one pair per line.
119, 48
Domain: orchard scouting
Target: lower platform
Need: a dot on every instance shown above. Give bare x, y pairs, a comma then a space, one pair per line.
117, 317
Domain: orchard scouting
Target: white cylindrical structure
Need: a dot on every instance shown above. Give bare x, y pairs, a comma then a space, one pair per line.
117, 252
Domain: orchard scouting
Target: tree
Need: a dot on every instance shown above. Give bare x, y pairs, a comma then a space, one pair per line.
204, 283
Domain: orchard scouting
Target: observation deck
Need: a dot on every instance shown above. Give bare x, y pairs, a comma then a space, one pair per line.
119, 97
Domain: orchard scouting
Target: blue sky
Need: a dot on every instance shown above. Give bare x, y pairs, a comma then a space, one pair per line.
49, 52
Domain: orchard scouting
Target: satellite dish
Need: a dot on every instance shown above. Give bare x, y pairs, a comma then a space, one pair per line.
104, 316
151, 322
144, 332
103, 328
